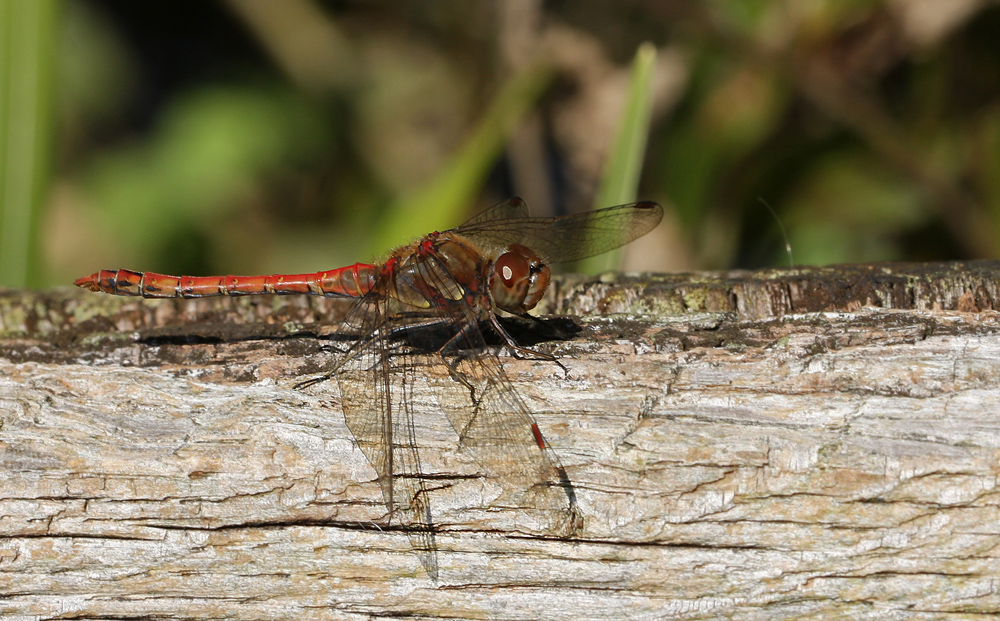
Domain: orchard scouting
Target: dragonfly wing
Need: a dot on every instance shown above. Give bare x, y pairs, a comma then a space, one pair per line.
511, 209
505, 439
569, 238
487, 413
375, 387
493, 422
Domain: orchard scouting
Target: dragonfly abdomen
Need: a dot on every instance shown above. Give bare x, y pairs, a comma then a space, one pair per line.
351, 281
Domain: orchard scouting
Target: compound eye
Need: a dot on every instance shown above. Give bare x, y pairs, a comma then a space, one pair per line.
511, 267
509, 281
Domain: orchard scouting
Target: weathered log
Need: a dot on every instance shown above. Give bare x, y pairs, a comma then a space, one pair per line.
799, 443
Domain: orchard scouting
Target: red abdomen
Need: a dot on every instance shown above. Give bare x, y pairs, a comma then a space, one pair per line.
351, 281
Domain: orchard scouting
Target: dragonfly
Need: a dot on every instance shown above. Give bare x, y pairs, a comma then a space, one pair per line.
459, 284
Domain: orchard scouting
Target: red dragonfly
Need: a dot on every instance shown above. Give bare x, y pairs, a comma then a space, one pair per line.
464, 280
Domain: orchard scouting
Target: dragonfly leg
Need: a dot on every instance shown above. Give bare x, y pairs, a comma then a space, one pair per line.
454, 343
353, 353
524, 353
312, 381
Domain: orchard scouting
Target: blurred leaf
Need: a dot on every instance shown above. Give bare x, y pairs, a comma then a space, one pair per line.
986, 135
27, 41
732, 113
414, 112
848, 210
620, 181
443, 202
621, 173
96, 72
710, 150
211, 148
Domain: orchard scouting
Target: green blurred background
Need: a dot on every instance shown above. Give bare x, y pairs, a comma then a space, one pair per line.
262, 136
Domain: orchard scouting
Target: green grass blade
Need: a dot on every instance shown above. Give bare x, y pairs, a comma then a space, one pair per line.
27, 40
445, 200
620, 181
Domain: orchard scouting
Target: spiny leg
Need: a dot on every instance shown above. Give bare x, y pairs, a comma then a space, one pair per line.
524, 353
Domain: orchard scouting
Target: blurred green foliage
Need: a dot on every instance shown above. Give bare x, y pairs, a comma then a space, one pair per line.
205, 137
448, 194
620, 179
26, 76
197, 167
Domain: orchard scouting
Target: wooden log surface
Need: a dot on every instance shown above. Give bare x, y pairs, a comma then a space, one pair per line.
782, 444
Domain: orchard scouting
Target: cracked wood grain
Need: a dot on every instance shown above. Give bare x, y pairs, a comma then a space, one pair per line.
808, 443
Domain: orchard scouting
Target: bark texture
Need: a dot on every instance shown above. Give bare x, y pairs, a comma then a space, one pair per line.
784, 444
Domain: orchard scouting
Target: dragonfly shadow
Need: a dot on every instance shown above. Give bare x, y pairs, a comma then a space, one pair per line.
529, 333
418, 336
430, 337
214, 334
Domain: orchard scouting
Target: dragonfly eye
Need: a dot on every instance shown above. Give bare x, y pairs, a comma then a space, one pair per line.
518, 280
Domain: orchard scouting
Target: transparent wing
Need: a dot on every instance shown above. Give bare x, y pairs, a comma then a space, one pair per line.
511, 209
376, 378
375, 386
507, 442
565, 238
492, 421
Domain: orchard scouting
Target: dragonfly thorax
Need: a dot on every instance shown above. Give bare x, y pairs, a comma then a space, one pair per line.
518, 279
439, 270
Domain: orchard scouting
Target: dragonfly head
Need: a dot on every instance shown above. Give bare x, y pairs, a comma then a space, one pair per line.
518, 279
